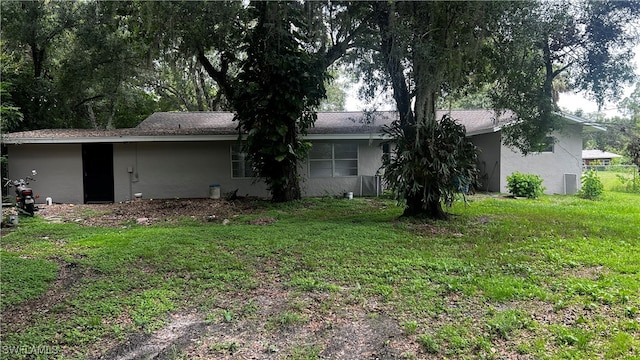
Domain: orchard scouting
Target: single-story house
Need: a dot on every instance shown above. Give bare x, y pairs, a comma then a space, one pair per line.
598, 157
183, 154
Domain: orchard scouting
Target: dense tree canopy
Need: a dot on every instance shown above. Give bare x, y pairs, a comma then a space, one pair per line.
521, 54
110, 64
583, 45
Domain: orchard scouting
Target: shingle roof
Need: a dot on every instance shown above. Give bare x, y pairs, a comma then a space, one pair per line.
162, 126
222, 122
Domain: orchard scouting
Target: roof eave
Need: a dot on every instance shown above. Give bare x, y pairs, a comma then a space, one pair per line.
171, 138
116, 139
490, 130
581, 121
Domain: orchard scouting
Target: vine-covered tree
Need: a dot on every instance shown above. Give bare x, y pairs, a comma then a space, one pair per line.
281, 85
270, 61
521, 50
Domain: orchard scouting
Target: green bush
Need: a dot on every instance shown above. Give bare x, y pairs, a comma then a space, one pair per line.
525, 185
630, 184
591, 185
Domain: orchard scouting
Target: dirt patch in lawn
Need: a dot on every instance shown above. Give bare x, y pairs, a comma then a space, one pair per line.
22, 314
350, 333
148, 212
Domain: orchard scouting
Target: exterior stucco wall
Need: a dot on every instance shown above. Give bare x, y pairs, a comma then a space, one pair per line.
566, 158
163, 170
59, 169
488, 161
186, 169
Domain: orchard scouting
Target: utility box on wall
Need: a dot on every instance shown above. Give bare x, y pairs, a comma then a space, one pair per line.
570, 184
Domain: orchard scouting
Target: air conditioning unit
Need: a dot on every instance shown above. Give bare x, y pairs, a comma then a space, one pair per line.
570, 184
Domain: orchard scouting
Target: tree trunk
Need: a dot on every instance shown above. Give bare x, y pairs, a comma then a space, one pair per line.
394, 67
417, 208
92, 116
424, 111
287, 185
289, 190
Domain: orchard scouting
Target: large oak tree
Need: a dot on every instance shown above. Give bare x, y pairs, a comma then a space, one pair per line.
519, 50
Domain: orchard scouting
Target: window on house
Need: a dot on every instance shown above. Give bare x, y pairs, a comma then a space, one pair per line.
333, 160
547, 146
240, 165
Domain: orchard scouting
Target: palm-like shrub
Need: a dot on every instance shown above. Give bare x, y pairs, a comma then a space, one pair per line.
430, 165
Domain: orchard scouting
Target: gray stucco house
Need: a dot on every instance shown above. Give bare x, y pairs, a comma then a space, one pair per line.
173, 155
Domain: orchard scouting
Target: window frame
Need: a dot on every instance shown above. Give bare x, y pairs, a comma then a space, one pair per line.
247, 171
333, 160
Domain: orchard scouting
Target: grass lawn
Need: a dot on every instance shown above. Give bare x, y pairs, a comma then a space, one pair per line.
553, 278
621, 180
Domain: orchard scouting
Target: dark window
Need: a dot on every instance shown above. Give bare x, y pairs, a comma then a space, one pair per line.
547, 146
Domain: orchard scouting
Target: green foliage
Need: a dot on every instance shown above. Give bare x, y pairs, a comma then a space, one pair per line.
33, 33
432, 169
430, 344
571, 336
631, 183
228, 347
525, 185
286, 320
529, 67
620, 179
506, 323
592, 187
424, 49
82, 67
279, 86
336, 94
410, 327
438, 278
10, 114
29, 278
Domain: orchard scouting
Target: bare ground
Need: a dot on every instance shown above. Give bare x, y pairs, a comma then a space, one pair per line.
146, 212
327, 327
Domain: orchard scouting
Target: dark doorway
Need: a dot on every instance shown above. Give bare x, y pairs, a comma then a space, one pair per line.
97, 167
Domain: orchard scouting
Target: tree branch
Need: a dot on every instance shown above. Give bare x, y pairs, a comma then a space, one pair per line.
87, 100
338, 49
219, 76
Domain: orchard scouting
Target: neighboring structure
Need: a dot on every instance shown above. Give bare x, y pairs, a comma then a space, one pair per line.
182, 155
598, 157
